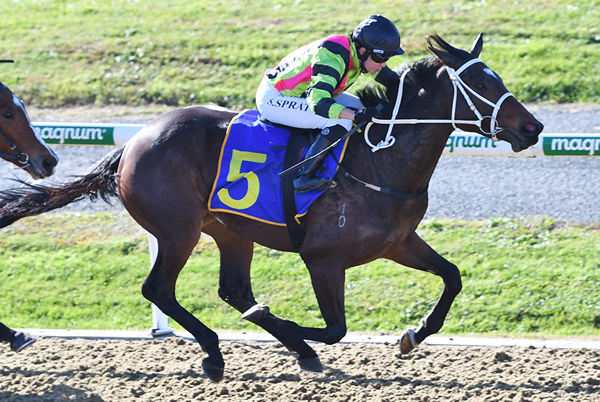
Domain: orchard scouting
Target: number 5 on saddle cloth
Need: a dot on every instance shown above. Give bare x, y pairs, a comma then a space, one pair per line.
252, 156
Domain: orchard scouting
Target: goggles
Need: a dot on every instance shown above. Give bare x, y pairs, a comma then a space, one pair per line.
379, 58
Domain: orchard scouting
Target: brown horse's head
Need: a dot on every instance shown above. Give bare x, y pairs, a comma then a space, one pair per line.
18, 142
502, 116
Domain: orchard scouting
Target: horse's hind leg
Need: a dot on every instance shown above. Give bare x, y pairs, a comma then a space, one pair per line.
415, 253
235, 288
159, 288
327, 276
234, 275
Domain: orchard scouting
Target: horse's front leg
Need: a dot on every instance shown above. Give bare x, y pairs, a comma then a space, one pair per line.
413, 252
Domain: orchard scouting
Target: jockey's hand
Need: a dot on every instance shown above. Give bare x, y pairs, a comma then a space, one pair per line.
366, 114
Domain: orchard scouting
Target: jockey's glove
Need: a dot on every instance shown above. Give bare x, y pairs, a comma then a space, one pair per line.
366, 114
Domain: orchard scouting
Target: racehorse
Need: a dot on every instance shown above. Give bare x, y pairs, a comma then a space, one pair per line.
19, 143
164, 175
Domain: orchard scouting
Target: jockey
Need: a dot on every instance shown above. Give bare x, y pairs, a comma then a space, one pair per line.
307, 88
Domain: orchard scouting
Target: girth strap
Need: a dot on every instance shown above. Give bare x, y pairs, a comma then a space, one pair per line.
290, 210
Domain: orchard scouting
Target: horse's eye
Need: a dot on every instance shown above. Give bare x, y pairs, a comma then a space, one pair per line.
8, 115
481, 87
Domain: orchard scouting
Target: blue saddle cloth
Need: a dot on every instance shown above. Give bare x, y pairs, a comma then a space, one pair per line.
248, 183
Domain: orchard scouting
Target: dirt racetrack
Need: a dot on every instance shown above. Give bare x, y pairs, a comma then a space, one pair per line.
58, 369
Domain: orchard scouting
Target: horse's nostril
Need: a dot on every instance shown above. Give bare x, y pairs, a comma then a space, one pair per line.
533, 128
49, 163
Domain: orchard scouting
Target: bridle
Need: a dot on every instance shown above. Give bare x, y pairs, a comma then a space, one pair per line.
459, 86
18, 156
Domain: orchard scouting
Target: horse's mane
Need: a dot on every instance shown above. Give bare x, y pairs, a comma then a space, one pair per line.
420, 72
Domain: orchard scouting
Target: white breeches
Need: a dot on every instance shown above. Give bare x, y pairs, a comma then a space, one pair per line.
293, 111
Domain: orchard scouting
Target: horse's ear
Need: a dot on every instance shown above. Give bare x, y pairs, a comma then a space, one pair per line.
436, 45
477, 45
442, 49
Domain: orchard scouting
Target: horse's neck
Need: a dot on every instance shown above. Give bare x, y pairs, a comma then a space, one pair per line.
409, 164
417, 155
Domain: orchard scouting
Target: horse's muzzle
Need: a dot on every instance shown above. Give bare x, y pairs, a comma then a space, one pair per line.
526, 136
42, 167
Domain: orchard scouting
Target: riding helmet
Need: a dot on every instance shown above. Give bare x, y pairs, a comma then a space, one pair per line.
379, 35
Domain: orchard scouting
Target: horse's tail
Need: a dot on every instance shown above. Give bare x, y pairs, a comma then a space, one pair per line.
31, 199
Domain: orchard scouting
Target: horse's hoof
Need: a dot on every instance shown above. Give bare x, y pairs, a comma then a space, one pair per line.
312, 364
256, 313
214, 373
408, 341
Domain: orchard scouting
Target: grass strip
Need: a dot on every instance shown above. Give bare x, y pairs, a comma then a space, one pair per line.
520, 278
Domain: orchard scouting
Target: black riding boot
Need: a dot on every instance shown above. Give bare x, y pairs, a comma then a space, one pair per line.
306, 181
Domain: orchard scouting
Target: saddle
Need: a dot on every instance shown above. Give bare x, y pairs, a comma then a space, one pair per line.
253, 154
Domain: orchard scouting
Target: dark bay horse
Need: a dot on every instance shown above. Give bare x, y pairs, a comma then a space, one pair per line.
19, 143
164, 176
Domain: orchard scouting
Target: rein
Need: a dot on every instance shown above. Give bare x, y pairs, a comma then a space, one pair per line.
459, 86
19, 157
